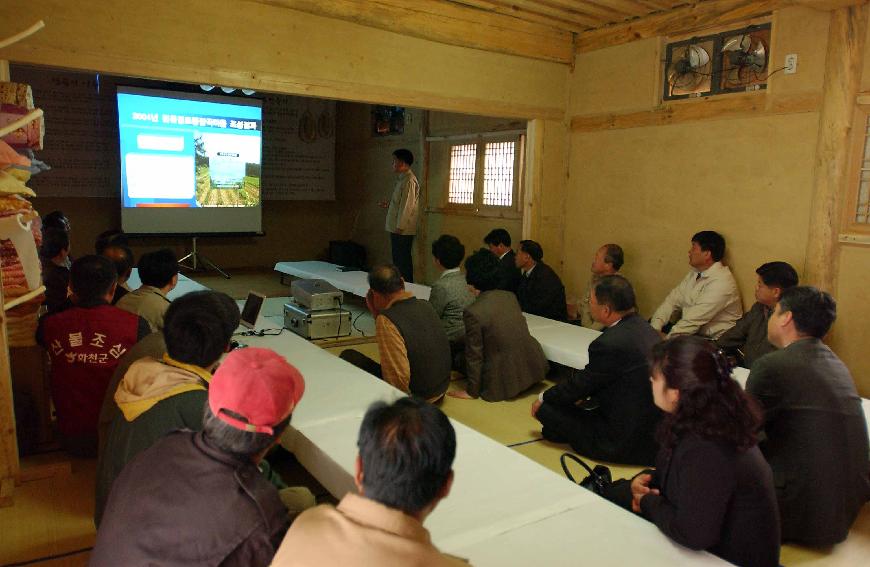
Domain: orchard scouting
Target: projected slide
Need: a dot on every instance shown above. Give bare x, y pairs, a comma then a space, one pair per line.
190, 163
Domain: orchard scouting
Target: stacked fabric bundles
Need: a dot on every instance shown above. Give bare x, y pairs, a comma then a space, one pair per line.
19, 262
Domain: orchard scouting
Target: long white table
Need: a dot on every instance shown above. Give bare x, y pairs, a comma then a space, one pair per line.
354, 282
500, 499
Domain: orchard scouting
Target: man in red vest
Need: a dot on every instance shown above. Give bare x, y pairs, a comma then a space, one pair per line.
84, 344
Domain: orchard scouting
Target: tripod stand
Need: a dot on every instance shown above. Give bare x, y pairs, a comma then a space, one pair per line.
197, 260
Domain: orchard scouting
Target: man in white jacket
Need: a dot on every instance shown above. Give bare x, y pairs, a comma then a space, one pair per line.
402, 211
706, 302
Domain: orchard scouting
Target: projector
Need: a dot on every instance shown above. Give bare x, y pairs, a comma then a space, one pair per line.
313, 325
316, 295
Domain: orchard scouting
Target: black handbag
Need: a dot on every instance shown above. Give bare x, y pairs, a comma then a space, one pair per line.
599, 480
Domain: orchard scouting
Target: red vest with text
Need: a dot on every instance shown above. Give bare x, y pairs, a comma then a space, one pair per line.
84, 345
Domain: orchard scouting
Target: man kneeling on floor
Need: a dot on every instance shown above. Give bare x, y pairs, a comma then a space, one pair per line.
414, 350
198, 498
606, 411
403, 471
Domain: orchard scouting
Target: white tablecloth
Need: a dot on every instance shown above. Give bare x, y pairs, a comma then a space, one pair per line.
354, 282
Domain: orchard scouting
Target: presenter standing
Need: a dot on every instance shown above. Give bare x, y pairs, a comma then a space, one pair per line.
402, 211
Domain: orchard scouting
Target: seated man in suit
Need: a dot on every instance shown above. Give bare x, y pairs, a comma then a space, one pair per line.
606, 262
747, 340
413, 347
814, 425
501, 358
606, 411
450, 295
499, 243
540, 291
158, 272
404, 469
707, 301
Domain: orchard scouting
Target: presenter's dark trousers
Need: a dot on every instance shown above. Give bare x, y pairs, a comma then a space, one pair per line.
401, 246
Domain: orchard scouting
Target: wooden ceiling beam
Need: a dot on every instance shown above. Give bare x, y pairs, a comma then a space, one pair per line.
447, 22
679, 21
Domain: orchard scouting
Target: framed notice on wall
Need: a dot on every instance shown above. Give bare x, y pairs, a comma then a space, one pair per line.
388, 120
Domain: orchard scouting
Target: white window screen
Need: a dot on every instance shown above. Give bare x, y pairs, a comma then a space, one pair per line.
862, 211
462, 160
498, 174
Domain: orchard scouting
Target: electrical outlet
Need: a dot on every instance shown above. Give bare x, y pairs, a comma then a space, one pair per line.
790, 64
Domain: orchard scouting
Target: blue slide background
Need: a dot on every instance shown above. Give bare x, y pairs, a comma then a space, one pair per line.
150, 107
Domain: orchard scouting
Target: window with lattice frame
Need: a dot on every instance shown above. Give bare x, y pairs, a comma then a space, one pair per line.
484, 174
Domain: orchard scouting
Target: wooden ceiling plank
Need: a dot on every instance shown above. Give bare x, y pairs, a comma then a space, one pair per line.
679, 21
631, 8
607, 11
554, 10
446, 22
512, 10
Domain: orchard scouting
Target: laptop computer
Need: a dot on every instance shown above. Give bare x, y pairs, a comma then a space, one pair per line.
251, 309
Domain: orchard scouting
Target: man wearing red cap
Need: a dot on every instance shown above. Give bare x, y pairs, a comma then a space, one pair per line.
198, 498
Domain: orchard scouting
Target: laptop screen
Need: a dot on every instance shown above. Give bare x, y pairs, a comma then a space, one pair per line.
251, 310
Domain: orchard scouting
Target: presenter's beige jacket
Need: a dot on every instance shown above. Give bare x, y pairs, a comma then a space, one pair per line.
708, 304
404, 205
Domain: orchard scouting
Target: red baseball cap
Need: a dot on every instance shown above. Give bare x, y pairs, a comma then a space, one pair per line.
257, 384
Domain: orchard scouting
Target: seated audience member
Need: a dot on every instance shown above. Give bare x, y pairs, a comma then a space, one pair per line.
112, 237
159, 395
54, 254
499, 243
152, 345
606, 262
450, 295
158, 272
707, 302
403, 471
501, 358
124, 261
413, 347
84, 343
814, 425
711, 488
747, 340
540, 290
197, 497
606, 410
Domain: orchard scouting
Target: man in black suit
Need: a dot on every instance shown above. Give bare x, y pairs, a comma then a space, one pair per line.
606, 411
540, 291
499, 243
816, 433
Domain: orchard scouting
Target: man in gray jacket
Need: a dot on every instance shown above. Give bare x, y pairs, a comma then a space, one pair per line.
450, 294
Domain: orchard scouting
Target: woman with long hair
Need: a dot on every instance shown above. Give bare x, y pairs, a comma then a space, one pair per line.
712, 488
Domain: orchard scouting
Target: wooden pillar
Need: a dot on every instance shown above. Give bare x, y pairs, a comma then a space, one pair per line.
534, 179
841, 84
9, 465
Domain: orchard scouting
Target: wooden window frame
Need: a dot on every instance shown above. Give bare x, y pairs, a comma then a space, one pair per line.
477, 208
859, 139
